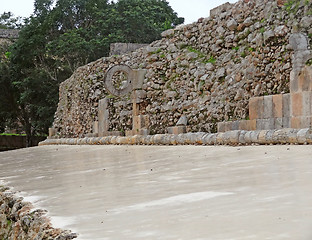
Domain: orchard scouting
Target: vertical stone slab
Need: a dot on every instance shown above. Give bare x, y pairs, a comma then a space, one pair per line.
294, 82
248, 125
301, 122
286, 122
277, 106
52, 132
267, 107
286, 105
306, 103
256, 108
138, 78
305, 79
296, 104
95, 127
103, 117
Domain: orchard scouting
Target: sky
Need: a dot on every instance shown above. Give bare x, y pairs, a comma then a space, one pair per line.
191, 10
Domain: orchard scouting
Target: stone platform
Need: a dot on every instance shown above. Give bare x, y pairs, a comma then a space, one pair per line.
168, 192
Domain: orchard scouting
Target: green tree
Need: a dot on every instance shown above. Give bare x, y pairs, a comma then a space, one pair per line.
8, 21
56, 40
142, 21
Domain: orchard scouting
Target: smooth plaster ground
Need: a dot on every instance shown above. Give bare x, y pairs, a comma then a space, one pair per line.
168, 192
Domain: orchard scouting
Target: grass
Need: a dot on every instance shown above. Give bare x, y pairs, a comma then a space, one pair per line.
11, 134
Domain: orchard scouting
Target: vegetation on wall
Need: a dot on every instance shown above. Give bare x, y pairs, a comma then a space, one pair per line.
58, 38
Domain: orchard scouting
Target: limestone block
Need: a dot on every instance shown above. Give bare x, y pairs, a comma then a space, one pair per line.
256, 108
305, 79
95, 127
286, 105
286, 122
177, 130
296, 104
138, 78
235, 125
52, 132
103, 116
228, 126
221, 126
265, 124
277, 101
268, 107
306, 103
301, 122
248, 125
301, 104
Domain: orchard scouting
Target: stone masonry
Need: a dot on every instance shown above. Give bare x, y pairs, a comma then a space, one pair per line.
293, 110
246, 56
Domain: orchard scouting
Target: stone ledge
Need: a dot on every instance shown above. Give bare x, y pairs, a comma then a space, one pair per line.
238, 137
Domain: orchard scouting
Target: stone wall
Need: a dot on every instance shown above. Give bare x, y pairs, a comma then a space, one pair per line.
19, 221
123, 48
9, 33
206, 71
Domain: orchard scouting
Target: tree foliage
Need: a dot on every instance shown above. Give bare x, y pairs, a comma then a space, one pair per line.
59, 37
8, 21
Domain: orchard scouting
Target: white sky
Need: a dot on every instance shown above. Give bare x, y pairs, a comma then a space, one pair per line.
191, 10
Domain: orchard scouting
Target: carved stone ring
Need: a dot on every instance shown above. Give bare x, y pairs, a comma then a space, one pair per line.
124, 87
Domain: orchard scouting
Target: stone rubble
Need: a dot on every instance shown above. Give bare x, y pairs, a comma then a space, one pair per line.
19, 221
207, 70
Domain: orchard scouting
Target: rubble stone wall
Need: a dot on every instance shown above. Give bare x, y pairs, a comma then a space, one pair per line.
206, 71
19, 221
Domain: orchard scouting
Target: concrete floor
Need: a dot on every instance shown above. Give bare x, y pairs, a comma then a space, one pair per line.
162, 192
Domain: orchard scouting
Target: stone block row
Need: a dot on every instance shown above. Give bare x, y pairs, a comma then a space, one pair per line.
266, 107
237, 137
281, 106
